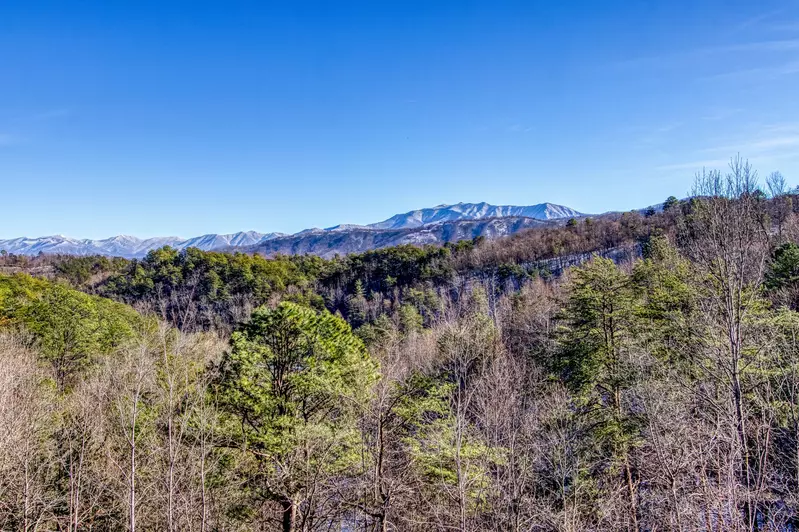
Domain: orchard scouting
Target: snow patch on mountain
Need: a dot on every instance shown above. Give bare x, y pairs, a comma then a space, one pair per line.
128, 246
474, 211
429, 219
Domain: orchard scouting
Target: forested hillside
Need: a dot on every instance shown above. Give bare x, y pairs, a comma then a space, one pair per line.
631, 372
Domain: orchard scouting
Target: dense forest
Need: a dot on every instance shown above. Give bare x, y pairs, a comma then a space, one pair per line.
630, 372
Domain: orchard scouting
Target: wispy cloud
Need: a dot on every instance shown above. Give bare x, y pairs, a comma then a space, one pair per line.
775, 143
780, 45
771, 140
519, 128
657, 134
6, 139
758, 19
768, 149
721, 113
668, 127
769, 145
678, 58
785, 26
52, 114
758, 73
695, 165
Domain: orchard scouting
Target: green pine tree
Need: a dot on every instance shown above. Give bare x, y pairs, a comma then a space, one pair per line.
290, 387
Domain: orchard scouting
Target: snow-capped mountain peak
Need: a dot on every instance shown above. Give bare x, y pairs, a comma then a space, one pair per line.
132, 247
474, 211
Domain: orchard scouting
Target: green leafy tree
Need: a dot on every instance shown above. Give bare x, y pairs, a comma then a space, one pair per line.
357, 306
784, 271
71, 328
597, 341
290, 386
670, 203
449, 455
410, 320
663, 281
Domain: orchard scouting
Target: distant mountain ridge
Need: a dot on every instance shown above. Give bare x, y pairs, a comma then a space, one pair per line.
128, 246
474, 211
443, 223
328, 243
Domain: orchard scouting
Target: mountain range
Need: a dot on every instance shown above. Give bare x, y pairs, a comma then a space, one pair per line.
435, 225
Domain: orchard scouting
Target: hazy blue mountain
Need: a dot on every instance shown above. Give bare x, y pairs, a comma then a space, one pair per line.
127, 246
444, 223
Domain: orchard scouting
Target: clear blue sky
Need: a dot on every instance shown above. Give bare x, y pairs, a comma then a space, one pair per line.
183, 118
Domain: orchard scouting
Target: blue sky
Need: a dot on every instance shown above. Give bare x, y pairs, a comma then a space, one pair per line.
184, 118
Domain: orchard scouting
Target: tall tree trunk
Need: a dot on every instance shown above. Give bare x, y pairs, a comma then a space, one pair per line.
289, 514
631, 492
132, 489
628, 474
381, 524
